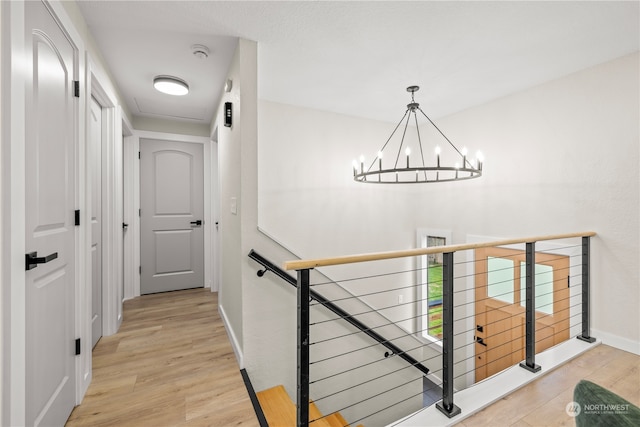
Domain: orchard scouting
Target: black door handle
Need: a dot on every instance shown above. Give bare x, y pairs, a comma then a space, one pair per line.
32, 260
197, 223
125, 225
480, 341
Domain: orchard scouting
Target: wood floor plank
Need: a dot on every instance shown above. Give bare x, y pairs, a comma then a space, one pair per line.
543, 402
171, 364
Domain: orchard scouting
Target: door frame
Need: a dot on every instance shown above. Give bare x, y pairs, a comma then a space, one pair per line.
114, 121
13, 205
132, 193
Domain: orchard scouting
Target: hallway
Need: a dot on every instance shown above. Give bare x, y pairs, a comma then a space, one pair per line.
170, 364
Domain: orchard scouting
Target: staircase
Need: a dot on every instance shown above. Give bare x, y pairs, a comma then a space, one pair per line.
280, 411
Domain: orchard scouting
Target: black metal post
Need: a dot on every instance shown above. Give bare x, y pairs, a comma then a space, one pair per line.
586, 250
530, 346
302, 411
446, 406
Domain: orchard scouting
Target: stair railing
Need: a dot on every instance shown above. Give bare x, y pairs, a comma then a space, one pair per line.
446, 405
394, 349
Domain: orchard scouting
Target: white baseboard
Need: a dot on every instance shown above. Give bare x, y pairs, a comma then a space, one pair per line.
617, 342
232, 337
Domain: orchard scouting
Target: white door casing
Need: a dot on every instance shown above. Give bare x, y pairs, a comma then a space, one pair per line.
172, 213
95, 149
50, 193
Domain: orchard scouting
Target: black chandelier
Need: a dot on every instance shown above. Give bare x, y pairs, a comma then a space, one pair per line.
418, 172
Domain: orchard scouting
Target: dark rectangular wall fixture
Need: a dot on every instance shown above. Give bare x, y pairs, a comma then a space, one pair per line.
228, 114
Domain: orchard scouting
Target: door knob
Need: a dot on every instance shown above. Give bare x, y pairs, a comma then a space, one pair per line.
197, 223
32, 260
480, 341
125, 225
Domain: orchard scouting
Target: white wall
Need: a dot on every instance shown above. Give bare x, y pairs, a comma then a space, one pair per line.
309, 201
560, 157
2, 259
563, 157
237, 176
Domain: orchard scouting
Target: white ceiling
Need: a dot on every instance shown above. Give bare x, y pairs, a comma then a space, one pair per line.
356, 58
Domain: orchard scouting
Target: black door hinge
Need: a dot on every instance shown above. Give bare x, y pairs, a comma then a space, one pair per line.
139, 155
139, 269
77, 217
78, 347
76, 88
139, 212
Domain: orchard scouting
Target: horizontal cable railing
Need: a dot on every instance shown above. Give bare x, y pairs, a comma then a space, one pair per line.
394, 350
502, 304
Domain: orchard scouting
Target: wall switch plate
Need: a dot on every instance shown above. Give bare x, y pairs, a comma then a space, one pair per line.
234, 206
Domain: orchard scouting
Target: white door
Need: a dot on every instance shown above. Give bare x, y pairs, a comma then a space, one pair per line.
171, 219
50, 225
95, 147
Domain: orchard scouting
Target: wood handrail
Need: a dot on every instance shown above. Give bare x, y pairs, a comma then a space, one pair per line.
378, 256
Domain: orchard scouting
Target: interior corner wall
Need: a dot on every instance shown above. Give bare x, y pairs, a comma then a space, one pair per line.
560, 157
237, 165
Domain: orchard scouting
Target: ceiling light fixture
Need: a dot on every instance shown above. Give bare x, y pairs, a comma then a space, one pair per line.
407, 173
171, 85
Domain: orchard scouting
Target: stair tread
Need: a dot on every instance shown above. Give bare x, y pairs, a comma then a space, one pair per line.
277, 406
336, 420
280, 411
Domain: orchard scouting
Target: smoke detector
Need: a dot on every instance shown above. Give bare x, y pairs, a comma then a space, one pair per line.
200, 51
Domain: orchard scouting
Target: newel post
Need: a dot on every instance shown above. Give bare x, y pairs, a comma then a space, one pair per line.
530, 317
586, 250
446, 406
302, 404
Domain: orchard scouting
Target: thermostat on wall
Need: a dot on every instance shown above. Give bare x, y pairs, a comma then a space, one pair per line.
228, 108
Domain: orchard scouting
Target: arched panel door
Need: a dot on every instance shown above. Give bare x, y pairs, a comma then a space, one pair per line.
50, 221
171, 219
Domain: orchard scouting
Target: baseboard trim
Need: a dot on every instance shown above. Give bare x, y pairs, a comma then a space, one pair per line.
616, 341
235, 344
254, 399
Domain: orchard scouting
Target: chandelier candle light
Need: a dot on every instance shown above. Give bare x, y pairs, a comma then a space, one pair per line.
418, 173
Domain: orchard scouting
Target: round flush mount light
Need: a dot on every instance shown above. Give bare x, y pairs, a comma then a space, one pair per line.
170, 85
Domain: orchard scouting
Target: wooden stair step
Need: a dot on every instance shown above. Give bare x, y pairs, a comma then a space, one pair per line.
277, 406
280, 411
336, 420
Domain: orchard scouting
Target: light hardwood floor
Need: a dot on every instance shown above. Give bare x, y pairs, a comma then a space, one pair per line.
170, 364
543, 402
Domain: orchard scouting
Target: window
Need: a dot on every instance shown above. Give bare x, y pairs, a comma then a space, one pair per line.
430, 284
